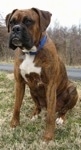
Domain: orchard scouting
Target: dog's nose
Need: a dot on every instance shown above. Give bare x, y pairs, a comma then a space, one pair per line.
16, 28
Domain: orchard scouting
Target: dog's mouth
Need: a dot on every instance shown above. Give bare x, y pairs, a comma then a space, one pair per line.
21, 40
16, 42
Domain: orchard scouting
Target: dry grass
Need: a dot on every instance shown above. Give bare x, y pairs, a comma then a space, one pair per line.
28, 136
6, 60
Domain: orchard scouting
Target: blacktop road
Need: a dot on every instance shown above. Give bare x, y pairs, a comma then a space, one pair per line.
73, 73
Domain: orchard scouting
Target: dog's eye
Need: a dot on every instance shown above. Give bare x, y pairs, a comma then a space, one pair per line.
13, 22
28, 22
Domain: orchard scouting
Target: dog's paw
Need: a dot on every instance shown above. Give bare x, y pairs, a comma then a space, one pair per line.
14, 123
34, 118
59, 121
47, 137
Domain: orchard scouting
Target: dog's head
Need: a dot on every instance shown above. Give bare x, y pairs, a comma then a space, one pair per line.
26, 27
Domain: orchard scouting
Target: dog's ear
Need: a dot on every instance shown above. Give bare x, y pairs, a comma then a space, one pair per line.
8, 17
45, 17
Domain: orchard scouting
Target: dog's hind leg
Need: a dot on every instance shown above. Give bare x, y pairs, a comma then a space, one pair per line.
70, 102
72, 96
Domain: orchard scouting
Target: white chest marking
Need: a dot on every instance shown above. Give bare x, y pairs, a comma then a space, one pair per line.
28, 66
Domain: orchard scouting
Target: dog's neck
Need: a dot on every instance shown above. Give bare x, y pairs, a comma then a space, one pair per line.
34, 50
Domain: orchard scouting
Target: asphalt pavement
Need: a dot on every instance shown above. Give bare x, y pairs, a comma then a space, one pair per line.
73, 73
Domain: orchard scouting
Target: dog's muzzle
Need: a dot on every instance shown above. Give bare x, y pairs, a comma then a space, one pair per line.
16, 34
20, 37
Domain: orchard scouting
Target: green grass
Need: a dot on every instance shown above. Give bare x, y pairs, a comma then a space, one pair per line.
28, 136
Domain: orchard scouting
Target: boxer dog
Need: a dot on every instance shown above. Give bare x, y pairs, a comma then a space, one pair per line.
38, 65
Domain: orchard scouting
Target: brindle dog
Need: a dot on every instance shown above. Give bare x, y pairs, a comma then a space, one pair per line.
41, 68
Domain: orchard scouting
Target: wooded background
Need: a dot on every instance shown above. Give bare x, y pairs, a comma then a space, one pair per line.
67, 41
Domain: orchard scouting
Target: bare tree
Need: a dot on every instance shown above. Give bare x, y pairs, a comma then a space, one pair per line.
68, 43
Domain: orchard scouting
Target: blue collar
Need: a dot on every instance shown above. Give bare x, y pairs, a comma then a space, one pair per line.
41, 44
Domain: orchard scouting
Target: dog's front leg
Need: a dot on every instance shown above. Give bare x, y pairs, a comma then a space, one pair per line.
19, 91
51, 106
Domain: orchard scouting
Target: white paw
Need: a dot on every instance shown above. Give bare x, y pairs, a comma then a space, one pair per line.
59, 121
43, 142
34, 118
